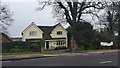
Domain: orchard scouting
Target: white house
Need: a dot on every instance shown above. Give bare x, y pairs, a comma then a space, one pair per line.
54, 35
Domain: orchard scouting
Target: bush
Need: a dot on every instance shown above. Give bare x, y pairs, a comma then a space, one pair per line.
78, 49
81, 47
15, 50
18, 46
60, 48
42, 43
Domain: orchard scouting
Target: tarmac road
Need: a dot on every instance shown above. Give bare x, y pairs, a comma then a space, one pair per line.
106, 59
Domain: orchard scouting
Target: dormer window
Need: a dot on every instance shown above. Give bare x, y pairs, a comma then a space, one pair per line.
59, 32
32, 33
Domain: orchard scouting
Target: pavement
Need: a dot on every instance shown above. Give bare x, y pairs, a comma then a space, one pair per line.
29, 56
24, 56
106, 59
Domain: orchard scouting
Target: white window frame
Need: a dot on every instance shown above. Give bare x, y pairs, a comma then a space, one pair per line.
61, 42
59, 32
32, 33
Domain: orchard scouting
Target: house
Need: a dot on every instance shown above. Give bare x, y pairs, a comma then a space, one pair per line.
4, 38
54, 36
17, 39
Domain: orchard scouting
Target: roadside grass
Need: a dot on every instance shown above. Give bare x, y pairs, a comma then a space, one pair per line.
15, 53
78, 50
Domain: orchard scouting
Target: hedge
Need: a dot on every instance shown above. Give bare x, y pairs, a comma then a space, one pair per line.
19, 46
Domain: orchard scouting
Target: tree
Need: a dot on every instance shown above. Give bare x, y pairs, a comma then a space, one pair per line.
85, 36
110, 20
116, 8
112, 17
5, 18
71, 11
114, 12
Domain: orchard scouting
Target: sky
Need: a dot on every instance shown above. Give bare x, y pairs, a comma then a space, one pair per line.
24, 13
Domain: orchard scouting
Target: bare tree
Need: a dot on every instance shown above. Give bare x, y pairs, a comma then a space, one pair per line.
71, 11
111, 18
116, 8
5, 18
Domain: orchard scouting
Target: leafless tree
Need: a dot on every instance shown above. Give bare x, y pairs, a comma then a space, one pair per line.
5, 18
71, 11
116, 8
111, 18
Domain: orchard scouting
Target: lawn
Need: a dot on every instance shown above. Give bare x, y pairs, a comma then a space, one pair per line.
15, 53
78, 50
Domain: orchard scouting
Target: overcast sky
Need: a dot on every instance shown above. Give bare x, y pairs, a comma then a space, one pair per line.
24, 13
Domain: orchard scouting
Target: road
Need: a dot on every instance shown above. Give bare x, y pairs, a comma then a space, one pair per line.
106, 59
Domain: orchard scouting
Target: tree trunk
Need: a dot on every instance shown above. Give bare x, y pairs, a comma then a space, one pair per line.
42, 49
73, 44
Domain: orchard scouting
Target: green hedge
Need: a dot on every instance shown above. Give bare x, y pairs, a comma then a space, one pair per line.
19, 46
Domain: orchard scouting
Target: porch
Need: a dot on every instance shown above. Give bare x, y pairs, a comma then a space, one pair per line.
52, 44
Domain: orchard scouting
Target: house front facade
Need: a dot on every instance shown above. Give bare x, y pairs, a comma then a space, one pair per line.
54, 36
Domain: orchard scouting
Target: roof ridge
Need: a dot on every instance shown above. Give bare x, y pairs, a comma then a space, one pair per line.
45, 26
50, 25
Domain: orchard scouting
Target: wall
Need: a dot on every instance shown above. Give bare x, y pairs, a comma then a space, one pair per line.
32, 28
64, 33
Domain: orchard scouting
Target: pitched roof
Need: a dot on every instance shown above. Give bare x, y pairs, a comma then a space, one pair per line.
6, 36
47, 30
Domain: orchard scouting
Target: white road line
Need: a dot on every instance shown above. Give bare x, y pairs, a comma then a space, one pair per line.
105, 62
6, 61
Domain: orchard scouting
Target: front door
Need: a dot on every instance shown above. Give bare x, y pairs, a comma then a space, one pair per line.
47, 44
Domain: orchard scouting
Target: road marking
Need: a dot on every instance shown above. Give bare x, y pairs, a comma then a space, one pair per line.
6, 61
105, 62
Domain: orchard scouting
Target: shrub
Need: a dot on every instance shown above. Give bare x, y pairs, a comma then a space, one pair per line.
78, 49
42, 42
60, 48
15, 50
20, 46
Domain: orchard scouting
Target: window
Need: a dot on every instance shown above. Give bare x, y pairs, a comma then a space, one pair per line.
59, 32
60, 42
33, 33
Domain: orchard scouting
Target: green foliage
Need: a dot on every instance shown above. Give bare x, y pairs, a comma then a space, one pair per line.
19, 46
79, 48
42, 42
15, 50
15, 53
87, 38
84, 35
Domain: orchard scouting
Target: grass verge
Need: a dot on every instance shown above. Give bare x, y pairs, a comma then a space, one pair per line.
15, 53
